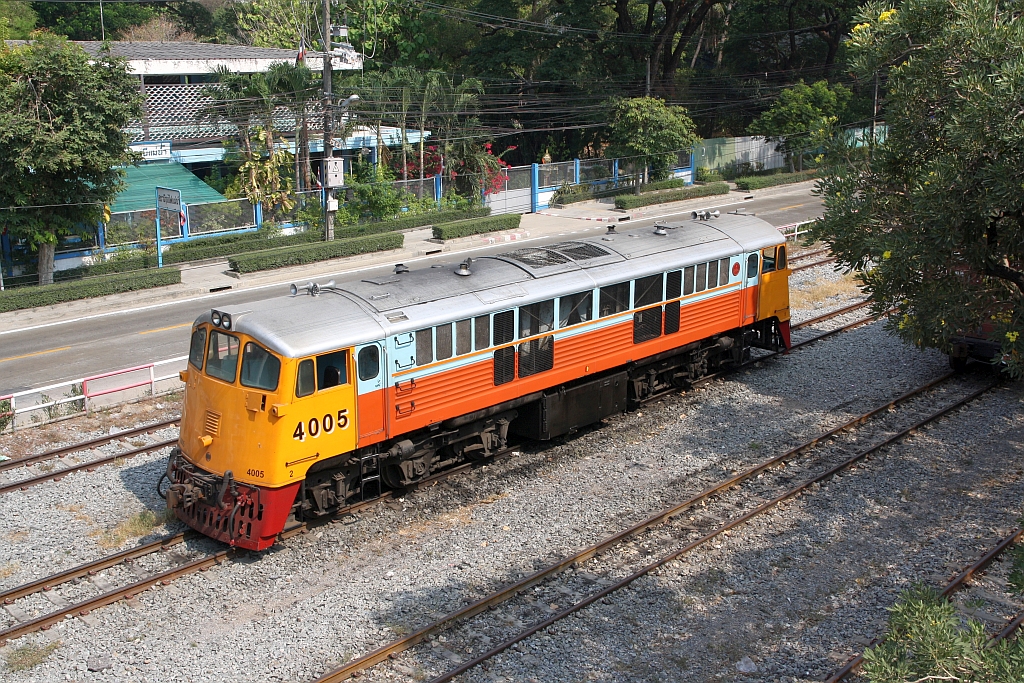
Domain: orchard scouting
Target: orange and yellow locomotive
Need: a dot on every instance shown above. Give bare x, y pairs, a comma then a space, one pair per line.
302, 405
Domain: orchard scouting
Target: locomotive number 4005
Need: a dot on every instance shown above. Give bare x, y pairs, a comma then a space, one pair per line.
314, 427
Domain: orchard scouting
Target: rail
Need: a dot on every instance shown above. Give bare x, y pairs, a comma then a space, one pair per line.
81, 393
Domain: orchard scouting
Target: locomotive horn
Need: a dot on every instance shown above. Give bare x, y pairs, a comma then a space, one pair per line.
715, 214
293, 289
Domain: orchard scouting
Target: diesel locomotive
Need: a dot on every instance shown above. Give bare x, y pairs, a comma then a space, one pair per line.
300, 405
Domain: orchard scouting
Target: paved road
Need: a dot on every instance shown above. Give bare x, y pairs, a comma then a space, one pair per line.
71, 350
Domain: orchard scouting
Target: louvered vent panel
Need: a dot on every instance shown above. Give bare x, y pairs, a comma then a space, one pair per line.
212, 423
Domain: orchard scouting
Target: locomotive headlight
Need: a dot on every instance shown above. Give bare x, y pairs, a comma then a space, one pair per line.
215, 316
225, 321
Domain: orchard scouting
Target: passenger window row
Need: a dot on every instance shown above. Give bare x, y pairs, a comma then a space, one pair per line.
465, 336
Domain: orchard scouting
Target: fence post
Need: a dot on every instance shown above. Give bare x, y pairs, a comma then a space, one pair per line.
437, 189
14, 413
615, 172
152, 381
693, 169
258, 212
534, 187
576, 170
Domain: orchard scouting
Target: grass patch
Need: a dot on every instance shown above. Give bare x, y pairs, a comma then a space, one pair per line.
135, 526
1017, 568
27, 656
814, 294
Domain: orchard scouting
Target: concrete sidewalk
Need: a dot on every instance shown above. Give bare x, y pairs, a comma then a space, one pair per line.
206, 279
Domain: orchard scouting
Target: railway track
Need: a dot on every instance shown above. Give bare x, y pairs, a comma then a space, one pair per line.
56, 474
958, 582
631, 547
174, 565
808, 266
808, 254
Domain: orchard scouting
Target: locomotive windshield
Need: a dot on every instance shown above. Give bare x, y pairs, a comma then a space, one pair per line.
222, 356
260, 369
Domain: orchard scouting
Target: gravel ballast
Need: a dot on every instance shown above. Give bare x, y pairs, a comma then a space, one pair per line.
792, 595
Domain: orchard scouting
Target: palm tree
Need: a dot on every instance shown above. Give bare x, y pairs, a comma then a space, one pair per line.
294, 86
405, 80
432, 83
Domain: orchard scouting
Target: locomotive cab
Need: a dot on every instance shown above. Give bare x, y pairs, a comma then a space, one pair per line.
253, 423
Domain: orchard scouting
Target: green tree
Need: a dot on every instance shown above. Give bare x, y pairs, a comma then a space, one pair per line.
62, 115
936, 209
297, 88
19, 18
81, 21
800, 111
648, 128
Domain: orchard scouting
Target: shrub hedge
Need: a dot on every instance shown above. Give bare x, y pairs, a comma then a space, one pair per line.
311, 253
635, 201
47, 295
670, 184
417, 221
201, 249
476, 226
760, 181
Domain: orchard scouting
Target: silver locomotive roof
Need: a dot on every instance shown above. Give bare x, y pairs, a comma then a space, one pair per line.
360, 311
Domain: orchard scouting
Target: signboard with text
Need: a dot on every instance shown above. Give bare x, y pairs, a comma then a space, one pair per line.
153, 151
168, 200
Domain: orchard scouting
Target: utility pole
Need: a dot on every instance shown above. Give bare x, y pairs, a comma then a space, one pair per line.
648, 91
328, 123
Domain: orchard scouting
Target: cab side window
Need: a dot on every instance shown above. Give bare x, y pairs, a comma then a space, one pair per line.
780, 263
768, 260
331, 370
198, 348
368, 362
305, 381
752, 266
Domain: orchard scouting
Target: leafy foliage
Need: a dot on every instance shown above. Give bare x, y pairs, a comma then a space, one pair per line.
648, 128
937, 208
62, 116
31, 297
19, 19
926, 641
636, 201
800, 111
81, 21
295, 256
